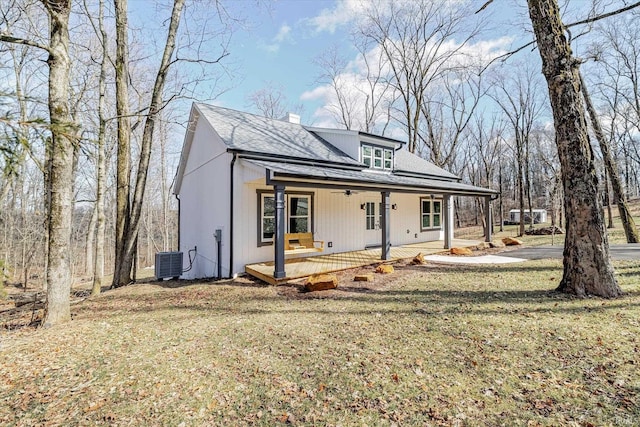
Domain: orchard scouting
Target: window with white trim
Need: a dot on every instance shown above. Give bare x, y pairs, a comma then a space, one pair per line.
366, 155
298, 215
375, 157
268, 222
430, 214
370, 216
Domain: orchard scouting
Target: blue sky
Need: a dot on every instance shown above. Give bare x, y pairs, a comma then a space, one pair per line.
278, 49
283, 37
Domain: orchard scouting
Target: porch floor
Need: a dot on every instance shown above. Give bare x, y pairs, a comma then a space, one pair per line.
302, 267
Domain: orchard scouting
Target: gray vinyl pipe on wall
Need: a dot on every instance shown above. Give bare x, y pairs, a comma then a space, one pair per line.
233, 162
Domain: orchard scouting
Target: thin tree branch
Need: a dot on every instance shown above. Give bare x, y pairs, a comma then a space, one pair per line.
17, 40
504, 56
484, 6
604, 15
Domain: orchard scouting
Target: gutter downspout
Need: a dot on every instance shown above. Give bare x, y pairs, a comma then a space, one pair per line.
233, 162
178, 199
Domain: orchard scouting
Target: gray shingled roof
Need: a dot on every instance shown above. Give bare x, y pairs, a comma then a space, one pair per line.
248, 132
408, 162
367, 178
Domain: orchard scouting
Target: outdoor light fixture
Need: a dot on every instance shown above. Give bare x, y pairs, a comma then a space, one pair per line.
433, 196
394, 206
362, 206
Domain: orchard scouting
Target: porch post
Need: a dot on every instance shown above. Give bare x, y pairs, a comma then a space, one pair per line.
386, 229
278, 238
448, 221
487, 212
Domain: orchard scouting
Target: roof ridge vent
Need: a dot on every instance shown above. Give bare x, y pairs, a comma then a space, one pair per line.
291, 118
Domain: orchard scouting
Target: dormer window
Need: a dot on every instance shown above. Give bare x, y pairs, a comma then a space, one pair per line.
376, 157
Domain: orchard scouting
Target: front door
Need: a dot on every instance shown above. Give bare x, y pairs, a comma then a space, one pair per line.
372, 223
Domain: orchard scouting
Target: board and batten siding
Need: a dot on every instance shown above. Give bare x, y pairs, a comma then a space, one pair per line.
250, 179
204, 201
337, 218
340, 220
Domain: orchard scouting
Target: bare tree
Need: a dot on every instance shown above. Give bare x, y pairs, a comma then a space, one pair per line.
361, 95
420, 41
333, 72
270, 101
616, 71
446, 112
587, 265
485, 149
122, 267
518, 97
126, 246
99, 213
546, 154
611, 169
59, 161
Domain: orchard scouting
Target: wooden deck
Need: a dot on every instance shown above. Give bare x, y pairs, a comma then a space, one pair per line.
302, 267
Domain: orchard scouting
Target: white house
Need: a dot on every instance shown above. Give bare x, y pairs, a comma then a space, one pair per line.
250, 182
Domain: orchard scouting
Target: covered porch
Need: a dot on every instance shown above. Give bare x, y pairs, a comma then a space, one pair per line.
283, 175
303, 267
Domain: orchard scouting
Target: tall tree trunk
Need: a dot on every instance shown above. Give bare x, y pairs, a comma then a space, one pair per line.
164, 191
60, 182
630, 230
520, 164
501, 205
90, 242
122, 266
587, 265
608, 201
98, 266
527, 181
131, 231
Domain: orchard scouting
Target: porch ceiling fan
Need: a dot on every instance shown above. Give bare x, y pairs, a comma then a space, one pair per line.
346, 192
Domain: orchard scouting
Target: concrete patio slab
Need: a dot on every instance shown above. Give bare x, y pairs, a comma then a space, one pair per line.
482, 259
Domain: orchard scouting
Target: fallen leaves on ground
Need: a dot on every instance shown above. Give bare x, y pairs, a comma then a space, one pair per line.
430, 345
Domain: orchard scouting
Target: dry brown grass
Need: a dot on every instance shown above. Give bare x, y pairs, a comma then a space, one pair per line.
429, 345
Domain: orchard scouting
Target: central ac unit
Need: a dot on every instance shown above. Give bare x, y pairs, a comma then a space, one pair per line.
168, 264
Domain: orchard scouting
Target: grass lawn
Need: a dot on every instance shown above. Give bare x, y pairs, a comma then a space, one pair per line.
432, 345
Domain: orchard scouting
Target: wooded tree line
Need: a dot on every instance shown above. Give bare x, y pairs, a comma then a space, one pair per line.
85, 135
421, 68
85, 184
422, 75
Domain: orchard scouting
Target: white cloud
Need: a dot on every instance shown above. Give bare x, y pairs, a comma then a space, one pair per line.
283, 36
354, 84
343, 13
284, 33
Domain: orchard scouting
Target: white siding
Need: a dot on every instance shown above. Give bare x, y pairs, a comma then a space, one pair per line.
349, 143
340, 220
250, 179
337, 218
204, 203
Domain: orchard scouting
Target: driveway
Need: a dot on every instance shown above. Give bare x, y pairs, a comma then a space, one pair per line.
629, 252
